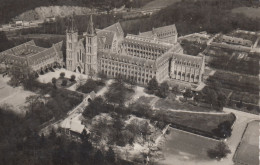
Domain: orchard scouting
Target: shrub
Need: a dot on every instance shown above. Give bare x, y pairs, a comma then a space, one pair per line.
219, 152
64, 82
62, 75
72, 78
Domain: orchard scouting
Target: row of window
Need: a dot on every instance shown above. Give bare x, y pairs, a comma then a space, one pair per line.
165, 34
138, 79
125, 61
138, 47
121, 65
127, 71
187, 63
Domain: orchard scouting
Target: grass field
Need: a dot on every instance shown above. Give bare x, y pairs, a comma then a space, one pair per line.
248, 11
159, 3
248, 150
184, 148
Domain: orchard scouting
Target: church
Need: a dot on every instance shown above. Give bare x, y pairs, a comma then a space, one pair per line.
139, 58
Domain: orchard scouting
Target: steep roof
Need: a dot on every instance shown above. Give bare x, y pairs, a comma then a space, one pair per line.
148, 42
116, 28
188, 58
128, 59
165, 29
168, 31
105, 37
90, 27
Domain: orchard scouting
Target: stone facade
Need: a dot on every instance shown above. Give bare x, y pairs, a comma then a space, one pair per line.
28, 55
139, 58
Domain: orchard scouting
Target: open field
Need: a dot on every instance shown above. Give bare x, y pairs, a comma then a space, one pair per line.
159, 3
15, 97
184, 148
248, 150
248, 11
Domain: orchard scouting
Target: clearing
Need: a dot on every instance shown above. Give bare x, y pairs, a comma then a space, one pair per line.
15, 97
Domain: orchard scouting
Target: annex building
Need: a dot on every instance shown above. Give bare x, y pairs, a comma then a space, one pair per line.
155, 53
28, 55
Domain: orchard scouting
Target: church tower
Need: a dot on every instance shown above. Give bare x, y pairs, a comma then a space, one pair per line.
91, 49
71, 42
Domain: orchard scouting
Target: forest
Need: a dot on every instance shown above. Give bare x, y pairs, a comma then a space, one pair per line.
9, 8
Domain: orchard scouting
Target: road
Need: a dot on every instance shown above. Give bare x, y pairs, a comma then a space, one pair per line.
76, 111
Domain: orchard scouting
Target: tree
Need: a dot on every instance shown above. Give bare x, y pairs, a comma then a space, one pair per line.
64, 82
72, 78
32, 102
224, 129
221, 100
99, 158
187, 93
88, 87
110, 156
62, 75
163, 90
240, 104
116, 93
219, 152
84, 135
152, 85
54, 80
145, 130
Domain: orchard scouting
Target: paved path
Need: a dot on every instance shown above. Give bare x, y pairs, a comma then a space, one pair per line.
78, 109
242, 120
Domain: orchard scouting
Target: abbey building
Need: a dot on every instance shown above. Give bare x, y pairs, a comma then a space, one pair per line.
155, 53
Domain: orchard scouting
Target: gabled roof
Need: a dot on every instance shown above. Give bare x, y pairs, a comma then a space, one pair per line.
105, 37
165, 29
169, 30
146, 41
188, 58
116, 28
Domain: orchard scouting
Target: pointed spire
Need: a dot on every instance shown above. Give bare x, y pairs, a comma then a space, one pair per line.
72, 26
90, 28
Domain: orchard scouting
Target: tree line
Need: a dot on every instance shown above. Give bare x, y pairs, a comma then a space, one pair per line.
9, 8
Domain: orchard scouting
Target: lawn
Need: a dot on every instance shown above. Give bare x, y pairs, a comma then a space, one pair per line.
185, 148
248, 149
